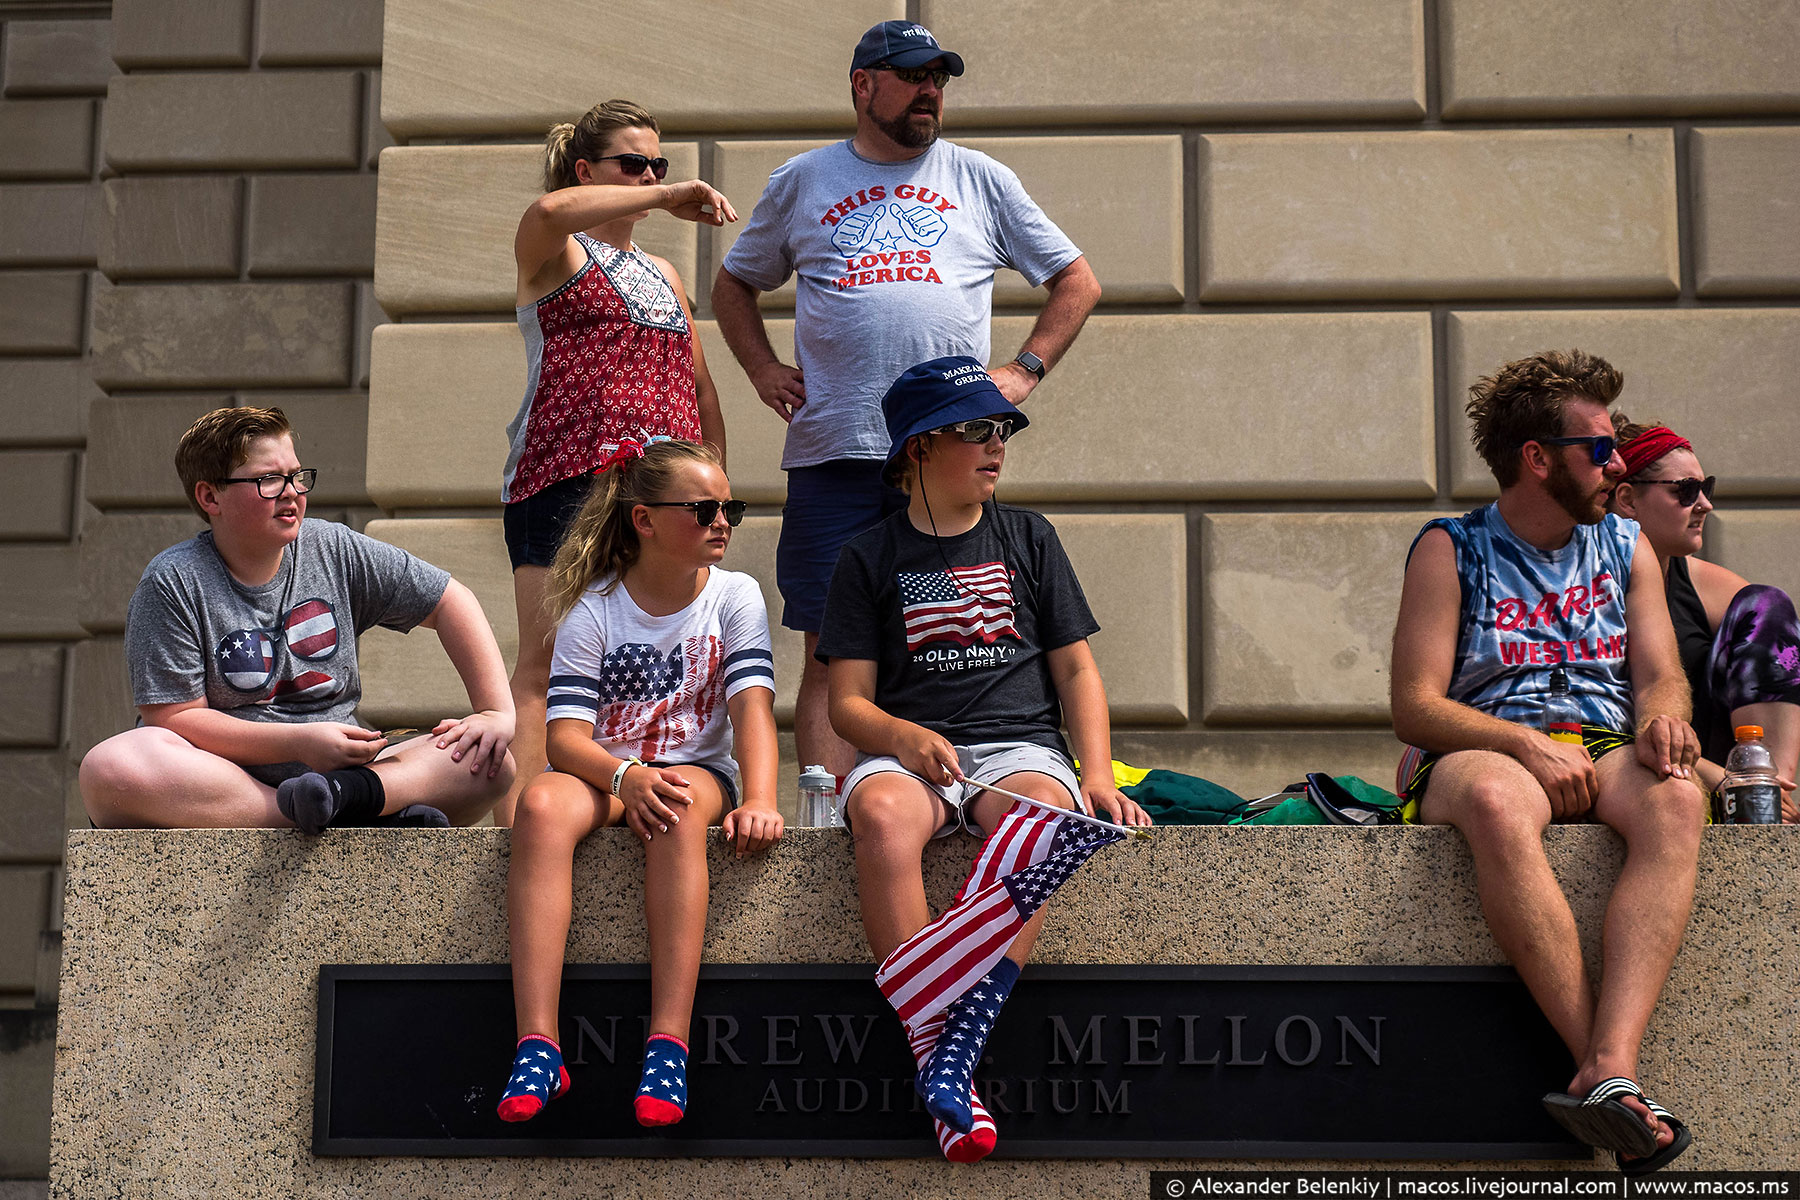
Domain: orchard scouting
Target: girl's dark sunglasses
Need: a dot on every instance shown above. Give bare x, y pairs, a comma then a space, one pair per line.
1687, 491
1600, 446
707, 511
634, 164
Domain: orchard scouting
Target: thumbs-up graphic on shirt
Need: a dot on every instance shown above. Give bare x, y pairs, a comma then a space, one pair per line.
855, 230
922, 225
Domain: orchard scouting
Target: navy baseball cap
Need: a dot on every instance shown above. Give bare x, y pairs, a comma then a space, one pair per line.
902, 44
941, 392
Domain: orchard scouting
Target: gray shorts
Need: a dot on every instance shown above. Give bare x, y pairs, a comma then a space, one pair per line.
986, 762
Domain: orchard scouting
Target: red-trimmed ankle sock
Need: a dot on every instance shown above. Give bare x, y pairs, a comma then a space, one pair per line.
662, 1092
979, 1142
538, 1075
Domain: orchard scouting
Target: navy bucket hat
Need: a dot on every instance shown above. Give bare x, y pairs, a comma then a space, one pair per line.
941, 392
902, 44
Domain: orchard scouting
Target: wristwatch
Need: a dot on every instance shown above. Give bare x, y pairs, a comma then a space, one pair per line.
1032, 363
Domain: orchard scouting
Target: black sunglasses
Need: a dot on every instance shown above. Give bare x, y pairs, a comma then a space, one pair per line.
707, 511
270, 487
916, 75
634, 164
1687, 491
1601, 446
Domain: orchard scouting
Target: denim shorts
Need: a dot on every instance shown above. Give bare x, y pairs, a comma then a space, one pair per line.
827, 505
535, 525
987, 762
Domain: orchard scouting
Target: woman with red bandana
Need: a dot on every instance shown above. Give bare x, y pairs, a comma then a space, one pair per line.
612, 358
1740, 641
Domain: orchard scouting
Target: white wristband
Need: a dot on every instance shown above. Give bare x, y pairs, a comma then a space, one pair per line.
619, 773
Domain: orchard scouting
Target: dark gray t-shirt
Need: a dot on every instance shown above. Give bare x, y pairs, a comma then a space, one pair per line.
895, 265
960, 638
285, 651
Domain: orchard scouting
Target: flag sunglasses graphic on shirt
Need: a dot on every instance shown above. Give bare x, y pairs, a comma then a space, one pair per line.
964, 605
247, 656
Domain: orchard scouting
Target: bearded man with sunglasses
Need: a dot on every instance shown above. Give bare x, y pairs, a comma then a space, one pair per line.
1493, 603
241, 645
894, 236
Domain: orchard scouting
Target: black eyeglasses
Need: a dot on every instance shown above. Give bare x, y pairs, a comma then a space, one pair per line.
707, 511
916, 75
270, 487
980, 429
1601, 446
634, 164
1687, 491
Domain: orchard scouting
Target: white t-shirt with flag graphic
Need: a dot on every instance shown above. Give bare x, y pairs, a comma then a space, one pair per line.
656, 688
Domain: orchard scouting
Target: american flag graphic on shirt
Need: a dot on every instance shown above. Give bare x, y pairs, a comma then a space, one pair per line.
964, 605
247, 657
644, 700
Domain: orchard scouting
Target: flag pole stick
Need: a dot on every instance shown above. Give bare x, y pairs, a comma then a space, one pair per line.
1077, 814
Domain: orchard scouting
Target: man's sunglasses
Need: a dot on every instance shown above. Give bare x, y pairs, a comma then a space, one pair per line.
980, 429
1600, 446
914, 76
270, 487
707, 511
1687, 491
634, 164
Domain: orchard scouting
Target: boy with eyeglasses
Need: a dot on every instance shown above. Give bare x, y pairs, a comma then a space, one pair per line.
892, 237
1494, 602
241, 645
956, 639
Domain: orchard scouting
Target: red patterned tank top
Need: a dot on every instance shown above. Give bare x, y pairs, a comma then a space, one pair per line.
611, 356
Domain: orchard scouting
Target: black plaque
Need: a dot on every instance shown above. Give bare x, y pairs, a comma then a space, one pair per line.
1087, 1062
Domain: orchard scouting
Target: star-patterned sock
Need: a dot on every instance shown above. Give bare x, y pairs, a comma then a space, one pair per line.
979, 1142
947, 1080
662, 1092
538, 1075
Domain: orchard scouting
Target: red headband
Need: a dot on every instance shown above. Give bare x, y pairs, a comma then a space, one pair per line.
1649, 446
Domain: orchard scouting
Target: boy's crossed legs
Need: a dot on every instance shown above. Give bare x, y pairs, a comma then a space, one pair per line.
151, 777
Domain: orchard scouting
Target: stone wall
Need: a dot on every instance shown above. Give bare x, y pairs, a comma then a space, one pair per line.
1316, 224
218, 936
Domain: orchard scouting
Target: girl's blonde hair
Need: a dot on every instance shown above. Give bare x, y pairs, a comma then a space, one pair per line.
601, 541
588, 138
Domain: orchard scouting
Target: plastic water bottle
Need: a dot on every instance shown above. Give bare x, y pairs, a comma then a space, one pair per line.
818, 797
1562, 716
1752, 795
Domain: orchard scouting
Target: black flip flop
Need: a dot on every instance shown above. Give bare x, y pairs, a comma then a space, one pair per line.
1669, 1153
1602, 1119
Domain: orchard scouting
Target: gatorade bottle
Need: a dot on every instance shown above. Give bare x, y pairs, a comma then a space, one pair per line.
1752, 795
1562, 718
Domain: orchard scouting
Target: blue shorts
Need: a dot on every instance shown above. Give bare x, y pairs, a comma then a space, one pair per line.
827, 505
535, 525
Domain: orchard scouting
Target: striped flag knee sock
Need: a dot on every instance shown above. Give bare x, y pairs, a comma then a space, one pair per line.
979, 1142
949, 1077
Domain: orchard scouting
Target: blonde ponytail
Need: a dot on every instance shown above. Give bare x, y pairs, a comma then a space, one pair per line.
601, 542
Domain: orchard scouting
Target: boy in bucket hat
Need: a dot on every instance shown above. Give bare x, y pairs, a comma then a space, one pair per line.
956, 637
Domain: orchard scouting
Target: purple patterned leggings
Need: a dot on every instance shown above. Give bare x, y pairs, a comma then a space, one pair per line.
1756, 653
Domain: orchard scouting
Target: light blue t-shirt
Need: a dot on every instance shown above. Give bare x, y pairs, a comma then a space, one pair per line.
1526, 611
896, 266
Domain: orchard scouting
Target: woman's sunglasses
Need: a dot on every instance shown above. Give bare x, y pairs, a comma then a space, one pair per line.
707, 511
634, 164
1601, 446
1687, 491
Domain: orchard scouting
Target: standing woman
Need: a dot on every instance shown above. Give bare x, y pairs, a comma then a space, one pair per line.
1740, 641
612, 357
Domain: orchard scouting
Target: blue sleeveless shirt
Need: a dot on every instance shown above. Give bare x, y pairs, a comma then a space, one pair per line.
1526, 611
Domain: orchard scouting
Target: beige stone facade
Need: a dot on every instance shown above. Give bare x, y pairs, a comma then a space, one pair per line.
1316, 222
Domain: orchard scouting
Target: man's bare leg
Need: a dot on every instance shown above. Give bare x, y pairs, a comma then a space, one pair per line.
1501, 811
1660, 820
815, 741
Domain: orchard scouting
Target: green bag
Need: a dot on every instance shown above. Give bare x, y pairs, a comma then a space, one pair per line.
1327, 800
1172, 798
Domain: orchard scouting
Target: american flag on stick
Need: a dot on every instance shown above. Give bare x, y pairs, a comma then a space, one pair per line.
964, 605
1033, 850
